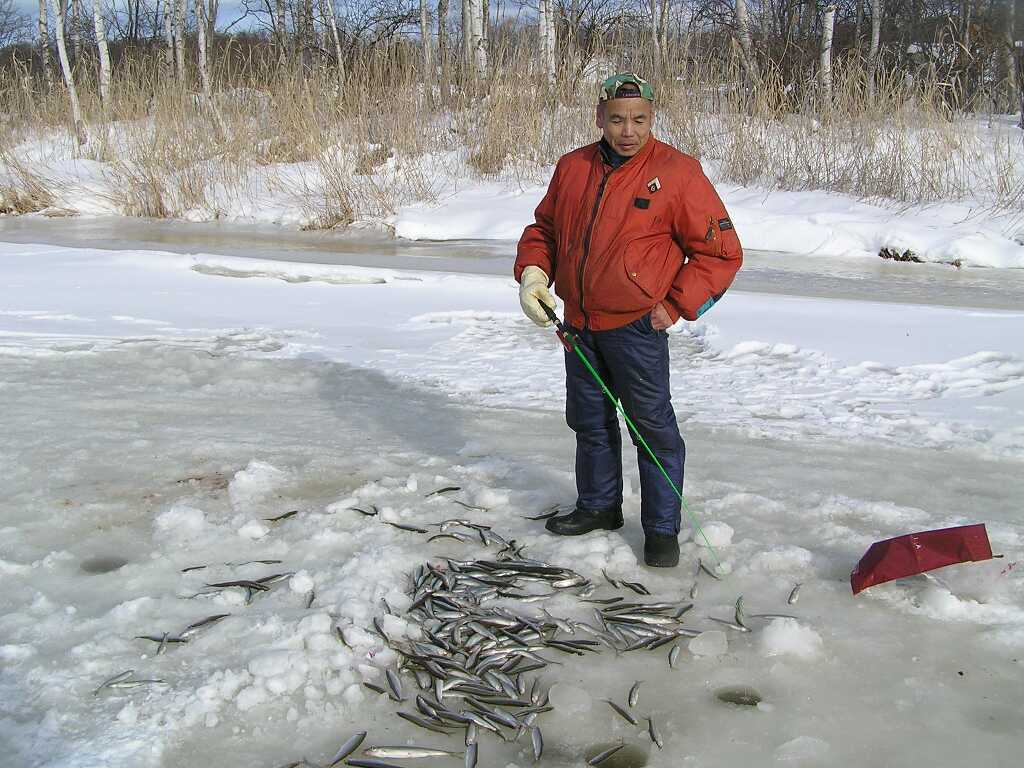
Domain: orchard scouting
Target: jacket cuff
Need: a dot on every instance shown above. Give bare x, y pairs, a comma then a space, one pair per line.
672, 309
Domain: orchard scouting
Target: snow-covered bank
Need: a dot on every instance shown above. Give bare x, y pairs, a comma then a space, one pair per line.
815, 224
438, 196
160, 409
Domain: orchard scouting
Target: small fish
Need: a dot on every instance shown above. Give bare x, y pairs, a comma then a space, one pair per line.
472, 754
543, 515
537, 739
376, 688
395, 684
740, 615
446, 489
408, 753
135, 683
794, 595
470, 734
602, 756
693, 591
310, 598
468, 506
357, 762
730, 624
634, 694
404, 527
346, 749
363, 511
255, 586
773, 616
194, 568
636, 586
160, 649
741, 696
422, 722
161, 638
609, 579
654, 733
115, 679
623, 713
709, 571
254, 562
209, 621
281, 518
673, 656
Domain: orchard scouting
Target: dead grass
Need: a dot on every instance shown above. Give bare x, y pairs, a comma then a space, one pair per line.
358, 149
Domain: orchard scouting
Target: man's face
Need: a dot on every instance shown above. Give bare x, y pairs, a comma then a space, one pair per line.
626, 124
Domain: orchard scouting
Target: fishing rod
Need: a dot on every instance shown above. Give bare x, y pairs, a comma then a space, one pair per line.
572, 343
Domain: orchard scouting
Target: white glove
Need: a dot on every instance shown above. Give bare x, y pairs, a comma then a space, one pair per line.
533, 289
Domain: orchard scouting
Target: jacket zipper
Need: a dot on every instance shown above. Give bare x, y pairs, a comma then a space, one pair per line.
586, 242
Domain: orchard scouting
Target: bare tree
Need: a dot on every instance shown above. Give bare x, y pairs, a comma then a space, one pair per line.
202, 56
169, 35
426, 39
746, 46
547, 31
104, 52
180, 18
44, 44
62, 51
1009, 65
332, 19
14, 25
825, 66
876, 32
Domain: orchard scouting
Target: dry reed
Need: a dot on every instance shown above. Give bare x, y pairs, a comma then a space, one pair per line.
359, 148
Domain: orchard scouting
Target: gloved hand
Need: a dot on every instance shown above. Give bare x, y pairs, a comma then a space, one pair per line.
533, 289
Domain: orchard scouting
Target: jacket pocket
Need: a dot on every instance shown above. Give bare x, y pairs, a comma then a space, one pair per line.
651, 264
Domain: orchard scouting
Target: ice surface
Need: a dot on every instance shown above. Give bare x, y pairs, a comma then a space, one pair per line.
155, 447
710, 643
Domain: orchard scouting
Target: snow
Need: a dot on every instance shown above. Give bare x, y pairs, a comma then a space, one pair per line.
158, 405
787, 637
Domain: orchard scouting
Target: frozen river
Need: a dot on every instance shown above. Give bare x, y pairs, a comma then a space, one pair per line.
800, 275
167, 389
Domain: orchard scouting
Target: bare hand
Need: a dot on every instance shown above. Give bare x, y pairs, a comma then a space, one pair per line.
660, 319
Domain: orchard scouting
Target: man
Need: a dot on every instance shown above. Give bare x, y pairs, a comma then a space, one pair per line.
633, 236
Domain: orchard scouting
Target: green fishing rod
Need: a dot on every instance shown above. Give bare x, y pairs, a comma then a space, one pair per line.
571, 342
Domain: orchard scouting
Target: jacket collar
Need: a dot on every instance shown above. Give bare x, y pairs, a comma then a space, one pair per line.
605, 154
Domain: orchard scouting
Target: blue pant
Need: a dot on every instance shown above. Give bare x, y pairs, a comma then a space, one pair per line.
633, 362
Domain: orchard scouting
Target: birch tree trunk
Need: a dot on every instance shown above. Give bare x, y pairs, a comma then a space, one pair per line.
876, 33
442, 43
858, 25
807, 17
655, 41
104, 52
827, 26
44, 45
1009, 64
746, 46
663, 29
211, 21
202, 57
279, 31
479, 38
546, 34
65, 66
179, 38
168, 22
333, 21
75, 30
425, 36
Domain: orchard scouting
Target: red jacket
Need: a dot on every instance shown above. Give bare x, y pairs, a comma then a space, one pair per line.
618, 242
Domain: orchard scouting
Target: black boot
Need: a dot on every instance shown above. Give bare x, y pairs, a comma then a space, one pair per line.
661, 550
581, 521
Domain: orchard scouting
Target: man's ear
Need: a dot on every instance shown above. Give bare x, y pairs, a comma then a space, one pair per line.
599, 116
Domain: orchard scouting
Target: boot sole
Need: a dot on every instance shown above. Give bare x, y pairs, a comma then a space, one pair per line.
614, 527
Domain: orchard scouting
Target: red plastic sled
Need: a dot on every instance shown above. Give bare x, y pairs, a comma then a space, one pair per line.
915, 553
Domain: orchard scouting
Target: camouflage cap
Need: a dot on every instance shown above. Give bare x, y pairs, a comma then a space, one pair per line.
610, 88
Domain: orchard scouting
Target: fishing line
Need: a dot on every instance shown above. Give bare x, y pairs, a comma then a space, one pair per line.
564, 334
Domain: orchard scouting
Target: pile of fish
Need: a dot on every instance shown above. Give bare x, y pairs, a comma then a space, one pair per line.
479, 651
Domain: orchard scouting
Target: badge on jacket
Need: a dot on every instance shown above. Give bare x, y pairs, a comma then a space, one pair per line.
654, 185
